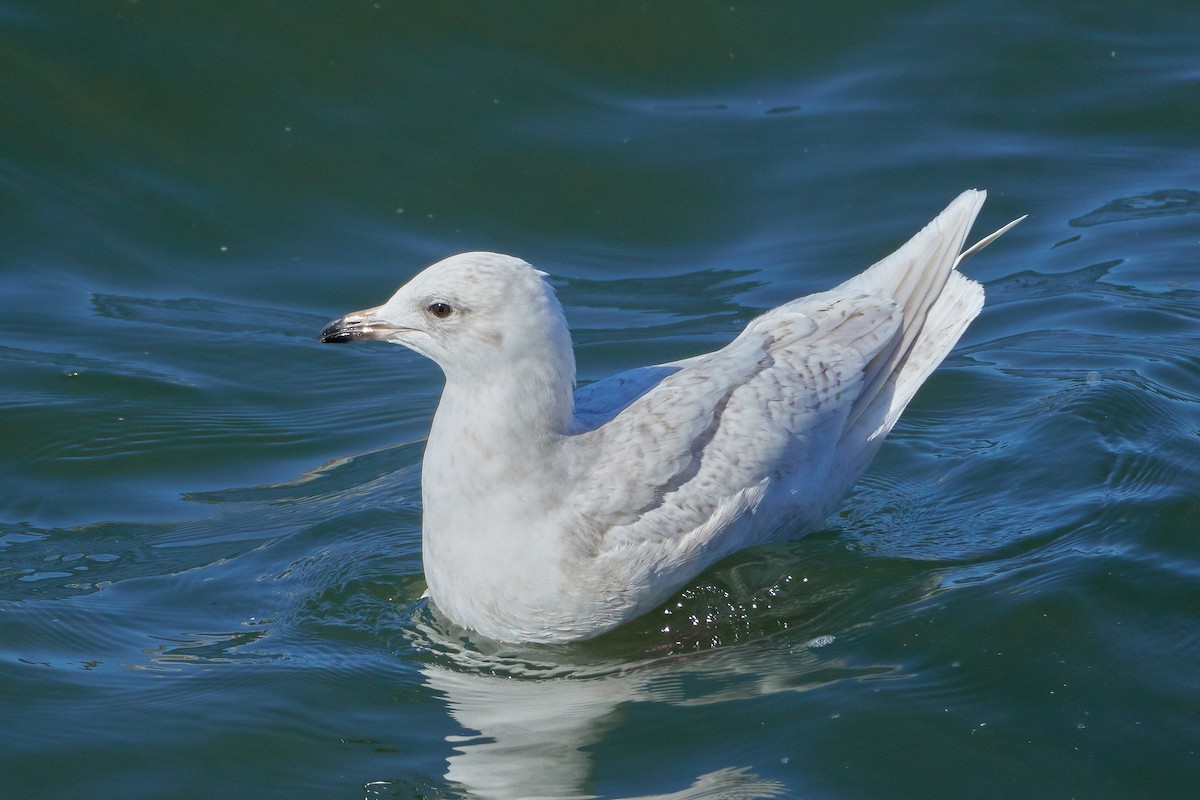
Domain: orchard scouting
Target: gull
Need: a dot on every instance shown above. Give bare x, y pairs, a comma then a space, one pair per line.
553, 514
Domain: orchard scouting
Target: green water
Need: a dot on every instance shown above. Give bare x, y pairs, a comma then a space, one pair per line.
210, 578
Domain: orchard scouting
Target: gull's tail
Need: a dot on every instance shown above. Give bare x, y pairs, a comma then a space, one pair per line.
937, 304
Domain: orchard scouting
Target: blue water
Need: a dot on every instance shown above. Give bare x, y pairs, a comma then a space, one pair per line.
210, 571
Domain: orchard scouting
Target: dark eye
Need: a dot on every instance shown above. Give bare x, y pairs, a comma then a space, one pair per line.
439, 309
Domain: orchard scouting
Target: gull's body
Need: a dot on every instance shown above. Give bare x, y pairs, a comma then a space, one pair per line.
553, 514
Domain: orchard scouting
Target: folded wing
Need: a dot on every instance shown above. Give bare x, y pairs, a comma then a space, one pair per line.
782, 420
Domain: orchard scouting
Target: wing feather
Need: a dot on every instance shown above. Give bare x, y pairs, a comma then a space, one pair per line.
712, 430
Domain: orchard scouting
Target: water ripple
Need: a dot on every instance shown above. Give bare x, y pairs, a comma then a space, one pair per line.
1163, 203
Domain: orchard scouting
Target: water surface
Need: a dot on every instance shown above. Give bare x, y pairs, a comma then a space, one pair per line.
210, 571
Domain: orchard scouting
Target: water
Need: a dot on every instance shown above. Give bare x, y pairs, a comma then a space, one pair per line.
209, 523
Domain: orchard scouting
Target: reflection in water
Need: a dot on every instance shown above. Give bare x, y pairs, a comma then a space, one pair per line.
531, 732
533, 720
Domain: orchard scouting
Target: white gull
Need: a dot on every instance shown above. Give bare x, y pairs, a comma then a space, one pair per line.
553, 514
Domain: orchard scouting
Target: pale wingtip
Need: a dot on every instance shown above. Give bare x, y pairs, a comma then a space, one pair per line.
985, 241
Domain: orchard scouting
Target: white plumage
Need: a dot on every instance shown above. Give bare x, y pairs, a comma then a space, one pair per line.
552, 514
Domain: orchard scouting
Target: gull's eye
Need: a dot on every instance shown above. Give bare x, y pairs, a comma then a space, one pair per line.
439, 309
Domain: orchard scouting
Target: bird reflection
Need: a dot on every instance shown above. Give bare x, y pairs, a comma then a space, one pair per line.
533, 715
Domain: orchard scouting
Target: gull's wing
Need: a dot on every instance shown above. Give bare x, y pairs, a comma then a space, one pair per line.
788, 414
723, 422
598, 402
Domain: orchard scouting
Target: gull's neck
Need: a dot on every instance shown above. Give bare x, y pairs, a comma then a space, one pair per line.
490, 484
529, 404
519, 403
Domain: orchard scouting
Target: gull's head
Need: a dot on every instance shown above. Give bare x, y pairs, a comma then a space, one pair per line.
470, 313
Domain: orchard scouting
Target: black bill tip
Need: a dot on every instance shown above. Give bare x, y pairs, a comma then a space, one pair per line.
341, 330
360, 326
